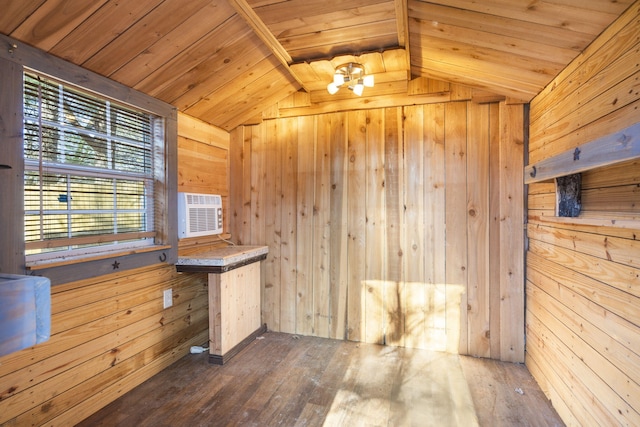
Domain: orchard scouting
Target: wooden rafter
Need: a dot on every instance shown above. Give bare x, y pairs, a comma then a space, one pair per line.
402, 22
247, 13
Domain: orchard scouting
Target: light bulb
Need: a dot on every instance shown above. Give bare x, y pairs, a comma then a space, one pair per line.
358, 88
338, 79
368, 80
332, 88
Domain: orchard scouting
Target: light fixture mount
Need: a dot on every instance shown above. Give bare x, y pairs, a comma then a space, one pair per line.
352, 75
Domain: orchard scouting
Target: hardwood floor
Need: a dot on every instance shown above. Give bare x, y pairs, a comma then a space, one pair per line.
288, 380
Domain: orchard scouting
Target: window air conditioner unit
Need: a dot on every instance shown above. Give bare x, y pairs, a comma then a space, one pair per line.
199, 214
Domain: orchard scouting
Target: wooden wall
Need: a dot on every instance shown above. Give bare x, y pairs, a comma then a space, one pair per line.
583, 286
400, 225
111, 333
203, 167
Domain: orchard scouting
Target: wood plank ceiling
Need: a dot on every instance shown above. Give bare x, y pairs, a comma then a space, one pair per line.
227, 61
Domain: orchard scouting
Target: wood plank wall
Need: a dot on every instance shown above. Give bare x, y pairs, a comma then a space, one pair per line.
111, 333
400, 225
203, 167
583, 286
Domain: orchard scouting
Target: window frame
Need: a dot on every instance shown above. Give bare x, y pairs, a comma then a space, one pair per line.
13, 63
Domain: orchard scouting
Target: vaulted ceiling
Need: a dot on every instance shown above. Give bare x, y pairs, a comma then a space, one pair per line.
228, 61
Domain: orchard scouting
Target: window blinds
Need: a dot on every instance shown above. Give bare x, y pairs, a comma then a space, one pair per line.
88, 169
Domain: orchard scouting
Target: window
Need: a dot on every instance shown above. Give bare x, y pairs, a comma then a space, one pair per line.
88, 172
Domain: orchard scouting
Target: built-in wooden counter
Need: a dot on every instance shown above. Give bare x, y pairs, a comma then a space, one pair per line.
234, 296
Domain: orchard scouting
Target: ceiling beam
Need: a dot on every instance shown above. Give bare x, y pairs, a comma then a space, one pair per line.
365, 103
244, 10
402, 23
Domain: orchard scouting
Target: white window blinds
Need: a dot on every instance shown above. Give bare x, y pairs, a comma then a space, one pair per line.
88, 170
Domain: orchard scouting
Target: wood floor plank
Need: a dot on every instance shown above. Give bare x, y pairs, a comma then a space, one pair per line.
291, 380
507, 394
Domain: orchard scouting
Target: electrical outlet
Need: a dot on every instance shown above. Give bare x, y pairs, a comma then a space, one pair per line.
168, 298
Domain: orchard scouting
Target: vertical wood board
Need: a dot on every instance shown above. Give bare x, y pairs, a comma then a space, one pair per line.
478, 230
356, 216
393, 323
273, 226
456, 223
305, 243
338, 222
288, 236
435, 220
322, 228
415, 301
375, 222
511, 234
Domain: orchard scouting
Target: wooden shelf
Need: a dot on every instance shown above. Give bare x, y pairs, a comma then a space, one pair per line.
608, 150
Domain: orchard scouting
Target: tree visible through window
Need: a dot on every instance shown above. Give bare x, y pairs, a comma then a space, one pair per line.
88, 170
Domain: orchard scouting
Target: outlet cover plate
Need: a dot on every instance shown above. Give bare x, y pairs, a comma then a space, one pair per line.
168, 298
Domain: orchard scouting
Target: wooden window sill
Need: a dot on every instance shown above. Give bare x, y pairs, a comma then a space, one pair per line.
59, 262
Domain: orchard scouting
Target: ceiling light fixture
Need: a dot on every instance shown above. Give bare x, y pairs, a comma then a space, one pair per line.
352, 74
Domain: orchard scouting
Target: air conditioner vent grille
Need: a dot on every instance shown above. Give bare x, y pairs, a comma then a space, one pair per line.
199, 214
203, 199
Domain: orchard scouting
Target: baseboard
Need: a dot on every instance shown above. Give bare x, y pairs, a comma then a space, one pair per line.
221, 360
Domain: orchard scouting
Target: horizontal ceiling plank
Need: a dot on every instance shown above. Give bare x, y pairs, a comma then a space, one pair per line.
611, 6
343, 18
189, 42
543, 34
259, 94
571, 17
15, 12
162, 78
52, 21
368, 30
282, 11
488, 82
235, 89
134, 41
497, 42
522, 72
267, 102
211, 76
104, 25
